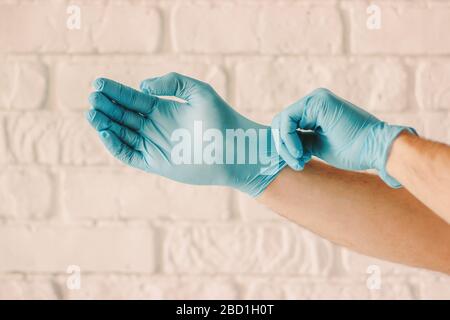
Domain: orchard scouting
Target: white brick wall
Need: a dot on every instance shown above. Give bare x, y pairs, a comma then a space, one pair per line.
64, 201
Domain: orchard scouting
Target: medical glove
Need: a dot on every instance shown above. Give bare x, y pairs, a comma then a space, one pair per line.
196, 139
337, 132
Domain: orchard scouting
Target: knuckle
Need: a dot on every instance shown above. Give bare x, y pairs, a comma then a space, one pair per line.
152, 103
105, 124
140, 124
133, 97
171, 76
120, 90
321, 93
121, 115
128, 157
118, 151
174, 74
206, 86
122, 132
136, 140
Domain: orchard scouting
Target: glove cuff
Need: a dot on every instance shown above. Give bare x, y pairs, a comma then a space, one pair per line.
388, 134
269, 166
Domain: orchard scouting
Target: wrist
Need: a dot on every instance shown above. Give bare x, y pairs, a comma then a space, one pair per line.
268, 162
388, 135
396, 158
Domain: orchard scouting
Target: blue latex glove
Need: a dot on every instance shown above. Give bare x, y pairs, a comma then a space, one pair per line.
341, 134
146, 131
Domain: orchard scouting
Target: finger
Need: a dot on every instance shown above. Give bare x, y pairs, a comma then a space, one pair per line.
120, 150
126, 96
305, 111
116, 112
296, 164
101, 122
172, 84
288, 133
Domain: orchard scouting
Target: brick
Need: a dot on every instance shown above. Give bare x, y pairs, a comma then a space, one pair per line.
111, 193
141, 33
437, 127
432, 90
296, 289
273, 84
24, 85
74, 77
5, 154
33, 138
79, 143
357, 264
142, 287
55, 248
435, 289
51, 138
243, 249
414, 120
301, 29
395, 289
26, 289
251, 210
46, 28
26, 193
230, 28
403, 30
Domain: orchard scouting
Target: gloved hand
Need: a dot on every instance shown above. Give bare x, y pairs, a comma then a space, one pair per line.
340, 133
200, 141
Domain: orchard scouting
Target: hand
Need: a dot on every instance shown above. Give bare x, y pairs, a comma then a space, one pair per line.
343, 135
199, 141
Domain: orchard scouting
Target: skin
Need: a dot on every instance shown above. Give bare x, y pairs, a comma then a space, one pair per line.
360, 212
422, 166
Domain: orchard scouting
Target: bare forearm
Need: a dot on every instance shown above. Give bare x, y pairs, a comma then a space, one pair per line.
359, 211
423, 167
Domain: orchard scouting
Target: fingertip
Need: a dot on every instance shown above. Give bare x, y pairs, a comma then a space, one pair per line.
93, 97
105, 134
306, 157
98, 84
286, 156
298, 166
294, 147
297, 153
143, 86
301, 165
90, 114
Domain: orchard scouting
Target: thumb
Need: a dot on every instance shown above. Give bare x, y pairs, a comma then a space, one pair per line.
172, 84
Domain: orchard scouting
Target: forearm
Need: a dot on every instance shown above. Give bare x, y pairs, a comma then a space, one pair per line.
359, 211
423, 167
